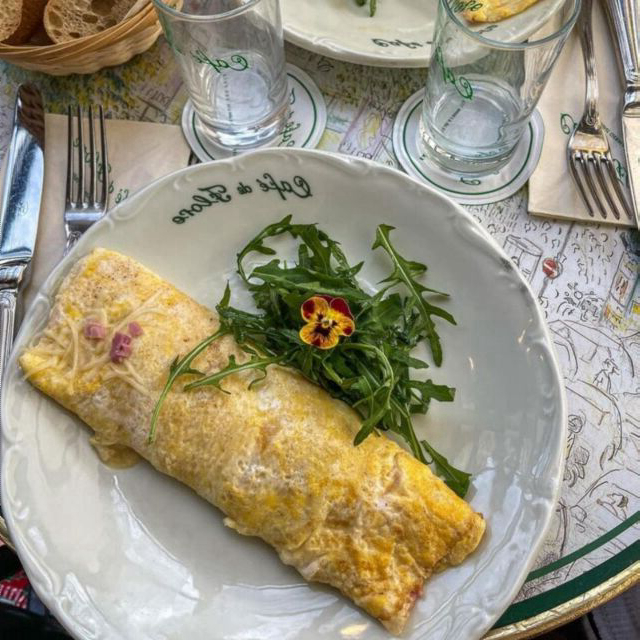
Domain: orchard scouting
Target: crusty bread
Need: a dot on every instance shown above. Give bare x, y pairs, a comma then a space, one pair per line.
10, 13
19, 19
65, 21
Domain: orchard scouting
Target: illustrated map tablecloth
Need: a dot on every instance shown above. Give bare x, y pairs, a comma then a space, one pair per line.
587, 279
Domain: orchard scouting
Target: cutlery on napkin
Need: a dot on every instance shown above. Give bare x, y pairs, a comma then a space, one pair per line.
139, 153
552, 192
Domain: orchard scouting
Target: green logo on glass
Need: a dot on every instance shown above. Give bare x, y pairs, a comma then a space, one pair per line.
461, 84
469, 5
235, 63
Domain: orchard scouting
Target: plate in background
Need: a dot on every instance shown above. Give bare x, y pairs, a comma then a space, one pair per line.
398, 35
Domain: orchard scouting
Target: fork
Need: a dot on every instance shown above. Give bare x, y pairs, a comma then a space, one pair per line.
83, 204
588, 149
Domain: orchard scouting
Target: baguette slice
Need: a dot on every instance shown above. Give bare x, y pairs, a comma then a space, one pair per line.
66, 21
19, 19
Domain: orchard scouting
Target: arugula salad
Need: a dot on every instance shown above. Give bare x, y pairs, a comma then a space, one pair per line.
315, 317
373, 5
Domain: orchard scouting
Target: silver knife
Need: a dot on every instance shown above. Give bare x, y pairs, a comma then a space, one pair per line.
624, 23
19, 211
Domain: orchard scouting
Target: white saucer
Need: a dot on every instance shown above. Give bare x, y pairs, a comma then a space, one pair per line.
463, 188
304, 127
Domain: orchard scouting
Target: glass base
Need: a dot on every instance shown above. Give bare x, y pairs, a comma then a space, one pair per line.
476, 166
466, 188
246, 138
304, 125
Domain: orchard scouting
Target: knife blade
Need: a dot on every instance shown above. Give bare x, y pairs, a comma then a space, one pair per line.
622, 16
19, 212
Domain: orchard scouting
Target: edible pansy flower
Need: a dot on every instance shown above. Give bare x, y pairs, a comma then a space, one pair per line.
327, 319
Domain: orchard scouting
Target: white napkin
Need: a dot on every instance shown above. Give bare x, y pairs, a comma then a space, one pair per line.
138, 152
552, 191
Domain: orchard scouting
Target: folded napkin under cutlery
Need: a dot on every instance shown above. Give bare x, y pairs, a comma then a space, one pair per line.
552, 192
139, 153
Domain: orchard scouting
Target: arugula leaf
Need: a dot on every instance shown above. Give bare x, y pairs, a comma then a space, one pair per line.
371, 369
405, 272
455, 479
373, 4
257, 243
255, 363
178, 368
436, 391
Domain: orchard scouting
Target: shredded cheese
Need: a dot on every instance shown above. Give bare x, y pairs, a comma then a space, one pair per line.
47, 364
126, 377
70, 351
48, 333
142, 310
75, 348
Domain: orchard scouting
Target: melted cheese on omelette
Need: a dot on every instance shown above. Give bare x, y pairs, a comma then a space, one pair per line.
277, 459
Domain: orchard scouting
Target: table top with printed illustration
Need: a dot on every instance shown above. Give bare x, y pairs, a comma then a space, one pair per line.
586, 277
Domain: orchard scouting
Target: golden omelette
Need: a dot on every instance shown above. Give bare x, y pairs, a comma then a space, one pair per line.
278, 459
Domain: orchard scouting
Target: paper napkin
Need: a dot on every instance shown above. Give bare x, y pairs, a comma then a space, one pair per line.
138, 152
552, 191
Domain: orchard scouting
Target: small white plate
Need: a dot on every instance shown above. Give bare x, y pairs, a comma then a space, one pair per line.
133, 554
399, 35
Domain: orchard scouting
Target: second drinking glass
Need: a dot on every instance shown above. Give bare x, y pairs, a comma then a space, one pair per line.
485, 80
231, 55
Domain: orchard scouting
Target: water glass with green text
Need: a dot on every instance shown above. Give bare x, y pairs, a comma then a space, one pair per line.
486, 77
231, 55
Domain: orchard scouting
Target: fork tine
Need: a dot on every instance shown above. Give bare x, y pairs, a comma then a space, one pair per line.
592, 169
617, 188
89, 203
599, 164
92, 161
577, 159
80, 199
105, 163
69, 190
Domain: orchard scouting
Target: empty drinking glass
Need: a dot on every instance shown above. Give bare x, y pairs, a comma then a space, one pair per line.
486, 78
231, 55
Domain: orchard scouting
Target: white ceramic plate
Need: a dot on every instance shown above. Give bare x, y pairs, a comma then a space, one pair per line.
399, 35
133, 554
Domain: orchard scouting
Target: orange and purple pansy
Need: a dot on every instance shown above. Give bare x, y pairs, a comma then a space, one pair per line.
327, 319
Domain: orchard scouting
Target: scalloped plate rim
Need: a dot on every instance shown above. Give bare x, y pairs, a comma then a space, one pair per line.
342, 162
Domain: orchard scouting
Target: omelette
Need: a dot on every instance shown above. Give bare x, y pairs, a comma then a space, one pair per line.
277, 458
495, 10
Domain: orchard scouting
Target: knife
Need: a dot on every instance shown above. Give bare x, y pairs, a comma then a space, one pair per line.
623, 21
19, 211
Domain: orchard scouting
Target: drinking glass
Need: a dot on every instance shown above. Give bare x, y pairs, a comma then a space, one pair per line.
485, 81
231, 55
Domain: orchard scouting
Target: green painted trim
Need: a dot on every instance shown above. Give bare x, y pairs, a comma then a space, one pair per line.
315, 111
572, 589
304, 144
461, 193
588, 548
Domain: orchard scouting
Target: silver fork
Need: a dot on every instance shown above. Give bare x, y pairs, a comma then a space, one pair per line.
83, 204
590, 160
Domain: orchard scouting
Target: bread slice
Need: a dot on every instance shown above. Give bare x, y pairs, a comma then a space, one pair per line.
65, 21
19, 19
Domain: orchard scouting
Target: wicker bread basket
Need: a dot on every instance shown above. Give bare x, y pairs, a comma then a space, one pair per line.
85, 55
